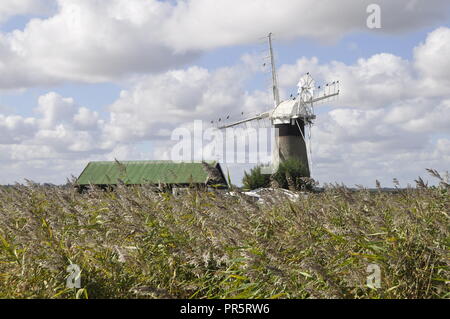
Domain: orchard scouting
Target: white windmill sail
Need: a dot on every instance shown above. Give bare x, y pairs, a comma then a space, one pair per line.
260, 116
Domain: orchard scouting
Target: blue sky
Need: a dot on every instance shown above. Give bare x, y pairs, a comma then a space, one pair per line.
92, 82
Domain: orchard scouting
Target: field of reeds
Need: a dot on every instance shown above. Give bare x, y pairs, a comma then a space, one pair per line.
134, 242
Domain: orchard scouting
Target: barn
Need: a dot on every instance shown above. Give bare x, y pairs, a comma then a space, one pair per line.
157, 173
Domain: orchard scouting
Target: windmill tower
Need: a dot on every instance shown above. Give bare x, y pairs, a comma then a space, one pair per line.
291, 117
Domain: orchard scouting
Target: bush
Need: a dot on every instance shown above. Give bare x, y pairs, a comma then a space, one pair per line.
255, 179
292, 174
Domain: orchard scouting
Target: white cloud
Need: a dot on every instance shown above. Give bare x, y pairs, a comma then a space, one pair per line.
104, 40
42, 163
210, 24
14, 128
158, 103
387, 118
57, 142
431, 60
90, 41
384, 78
11, 8
386, 124
435, 117
383, 126
55, 109
86, 119
54, 132
149, 110
367, 83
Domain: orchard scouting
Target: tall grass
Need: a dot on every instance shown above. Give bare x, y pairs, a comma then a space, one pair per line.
137, 243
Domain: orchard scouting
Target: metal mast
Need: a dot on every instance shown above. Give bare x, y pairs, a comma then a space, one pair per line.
276, 94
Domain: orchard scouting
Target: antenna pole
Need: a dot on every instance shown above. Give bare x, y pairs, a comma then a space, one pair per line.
276, 94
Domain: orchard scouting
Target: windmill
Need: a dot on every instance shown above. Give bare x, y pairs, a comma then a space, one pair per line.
291, 117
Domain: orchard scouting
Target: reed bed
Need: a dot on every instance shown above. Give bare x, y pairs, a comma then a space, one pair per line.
134, 242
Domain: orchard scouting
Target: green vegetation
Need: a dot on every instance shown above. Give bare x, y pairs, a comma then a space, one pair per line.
291, 174
137, 243
255, 179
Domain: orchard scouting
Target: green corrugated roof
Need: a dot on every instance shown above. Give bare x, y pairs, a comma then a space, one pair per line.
144, 172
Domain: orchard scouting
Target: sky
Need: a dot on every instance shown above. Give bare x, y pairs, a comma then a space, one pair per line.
86, 80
